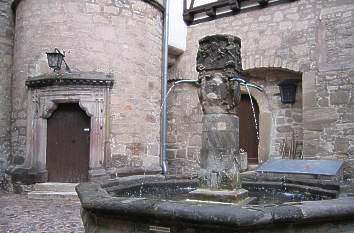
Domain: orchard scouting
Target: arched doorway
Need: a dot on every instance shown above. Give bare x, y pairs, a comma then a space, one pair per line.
68, 144
249, 138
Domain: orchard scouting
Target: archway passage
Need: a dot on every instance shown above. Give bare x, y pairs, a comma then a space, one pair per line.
248, 131
68, 144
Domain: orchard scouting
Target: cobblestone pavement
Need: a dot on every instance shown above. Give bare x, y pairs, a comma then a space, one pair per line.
20, 214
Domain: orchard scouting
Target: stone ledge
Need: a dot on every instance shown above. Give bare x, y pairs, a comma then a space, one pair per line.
173, 55
26, 175
45, 195
289, 187
132, 171
55, 187
63, 79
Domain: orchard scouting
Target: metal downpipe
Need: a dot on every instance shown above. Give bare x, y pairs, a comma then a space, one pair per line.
163, 146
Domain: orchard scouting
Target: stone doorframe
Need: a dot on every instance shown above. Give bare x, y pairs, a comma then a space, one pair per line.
91, 91
264, 124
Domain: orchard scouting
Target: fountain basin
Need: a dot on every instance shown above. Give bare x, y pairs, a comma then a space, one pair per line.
103, 210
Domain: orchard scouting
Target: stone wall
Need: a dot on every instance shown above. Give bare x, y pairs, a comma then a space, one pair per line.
6, 48
314, 38
285, 126
118, 37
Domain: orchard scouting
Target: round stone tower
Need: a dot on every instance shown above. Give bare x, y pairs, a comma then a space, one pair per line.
122, 39
6, 48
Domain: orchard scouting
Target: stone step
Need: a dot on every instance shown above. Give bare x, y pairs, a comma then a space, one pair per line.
45, 195
55, 187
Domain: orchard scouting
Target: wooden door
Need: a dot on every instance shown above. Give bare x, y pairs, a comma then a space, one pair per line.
248, 132
68, 144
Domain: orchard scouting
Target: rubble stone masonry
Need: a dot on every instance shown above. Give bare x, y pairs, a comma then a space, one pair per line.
119, 37
312, 38
6, 48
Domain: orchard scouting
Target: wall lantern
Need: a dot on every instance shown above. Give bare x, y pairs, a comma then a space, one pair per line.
288, 90
55, 60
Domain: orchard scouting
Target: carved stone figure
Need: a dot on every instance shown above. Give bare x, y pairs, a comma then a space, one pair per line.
218, 52
218, 61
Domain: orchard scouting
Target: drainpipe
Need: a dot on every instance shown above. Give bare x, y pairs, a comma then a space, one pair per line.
163, 146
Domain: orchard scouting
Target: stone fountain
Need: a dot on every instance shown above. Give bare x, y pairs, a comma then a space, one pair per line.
142, 204
218, 62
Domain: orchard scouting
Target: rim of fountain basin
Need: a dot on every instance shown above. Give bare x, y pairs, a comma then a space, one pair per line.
95, 199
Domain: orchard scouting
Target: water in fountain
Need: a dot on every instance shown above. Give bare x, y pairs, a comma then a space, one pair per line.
254, 112
142, 184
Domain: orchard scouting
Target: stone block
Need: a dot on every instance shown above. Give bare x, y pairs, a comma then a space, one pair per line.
278, 16
171, 154
351, 76
339, 97
193, 153
135, 149
181, 154
233, 196
18, 160
349, 169
153, 149
92, 8
119, 160
341, 145
195, 140
135, 161
308, 88
284, 129
351, 150
6, 58
319, 118
297, 118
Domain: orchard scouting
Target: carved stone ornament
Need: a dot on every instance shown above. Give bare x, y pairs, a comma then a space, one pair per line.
67, 79
217, 94
218, 61
219, 52
91, 91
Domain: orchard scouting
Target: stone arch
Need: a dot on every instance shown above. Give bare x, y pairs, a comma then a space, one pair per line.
269, 102
45, 94
90, 103
270, 62
49, 107
264, 124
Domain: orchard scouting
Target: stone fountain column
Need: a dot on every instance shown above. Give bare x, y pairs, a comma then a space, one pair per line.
218, 61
